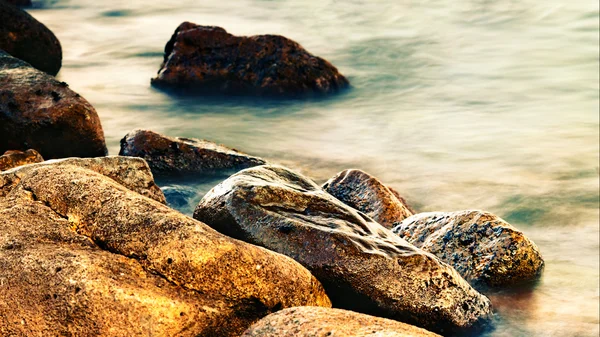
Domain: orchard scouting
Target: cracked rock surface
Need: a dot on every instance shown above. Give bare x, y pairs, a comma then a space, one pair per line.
82, 255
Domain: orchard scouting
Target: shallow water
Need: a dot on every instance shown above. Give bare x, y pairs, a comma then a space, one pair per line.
456, 104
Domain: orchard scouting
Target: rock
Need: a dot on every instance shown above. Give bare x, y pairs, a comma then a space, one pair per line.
20, 3
183, 155
133, 173
38, 112
362, 265
208, 59
12, 159
25, 38
82, 255
484, 249
367, 194
315, 321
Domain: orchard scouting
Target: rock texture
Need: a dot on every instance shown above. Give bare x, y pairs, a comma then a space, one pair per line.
315, 321
167, 155
38, 112
133, 173
483, 248
82, 255
362, 265
24, 37
208, 59
367, 194
11, 159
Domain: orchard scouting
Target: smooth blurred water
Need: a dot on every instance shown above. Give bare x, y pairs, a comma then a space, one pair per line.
457, 104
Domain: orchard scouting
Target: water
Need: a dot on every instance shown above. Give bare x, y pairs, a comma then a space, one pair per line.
457, 104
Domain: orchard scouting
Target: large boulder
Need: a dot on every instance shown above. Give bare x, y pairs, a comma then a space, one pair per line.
38, 112
315, 321
168, 155
367, 194
11, 159
362, 265
483, 248
83, 255
24, 37
208, 59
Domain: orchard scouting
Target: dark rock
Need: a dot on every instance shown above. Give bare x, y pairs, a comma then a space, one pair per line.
183, 155
11, 159
25, 38
31, 116
484, 249
362, 265
315, 321
208, 59
367, 194
82, 255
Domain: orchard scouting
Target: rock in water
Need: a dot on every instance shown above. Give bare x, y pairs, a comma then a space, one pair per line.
362, 265
208, 59
38, 112
367, 194
11, 159
484, 249
24, 37
315, 321
82, 255
183, 155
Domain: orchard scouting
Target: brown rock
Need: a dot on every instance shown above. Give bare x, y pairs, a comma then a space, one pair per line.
12, 159
205, 284
25, 38
133, 173
315, 321
367, 194
38, 112
484, 249
183, 155
362, 265
208, 59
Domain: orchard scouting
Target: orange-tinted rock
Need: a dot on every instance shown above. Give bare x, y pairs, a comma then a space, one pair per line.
367, 194
38, 112
208, 59
11, 159
484, 249
172, 155
25, 38
315, 321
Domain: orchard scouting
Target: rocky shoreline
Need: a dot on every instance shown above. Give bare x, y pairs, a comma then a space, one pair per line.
89, 246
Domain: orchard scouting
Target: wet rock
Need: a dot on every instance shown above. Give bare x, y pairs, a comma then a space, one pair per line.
483, 248
314, 321
167, 155
38, 112
367, 194
25, 38
11, 159
362, 265
133, 173
208, 59
83, 255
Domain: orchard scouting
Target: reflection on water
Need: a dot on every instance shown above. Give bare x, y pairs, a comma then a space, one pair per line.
462, 104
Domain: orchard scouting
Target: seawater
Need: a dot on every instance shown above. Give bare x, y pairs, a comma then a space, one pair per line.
465, 104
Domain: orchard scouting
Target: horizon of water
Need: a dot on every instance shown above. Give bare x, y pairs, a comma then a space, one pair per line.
469, 104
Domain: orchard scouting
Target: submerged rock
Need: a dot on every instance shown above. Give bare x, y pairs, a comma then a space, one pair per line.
483, 248
367, 194
362, 265
24, 37
38, 112
208, 59
183, 155
83, 255
315, 321
11, 159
